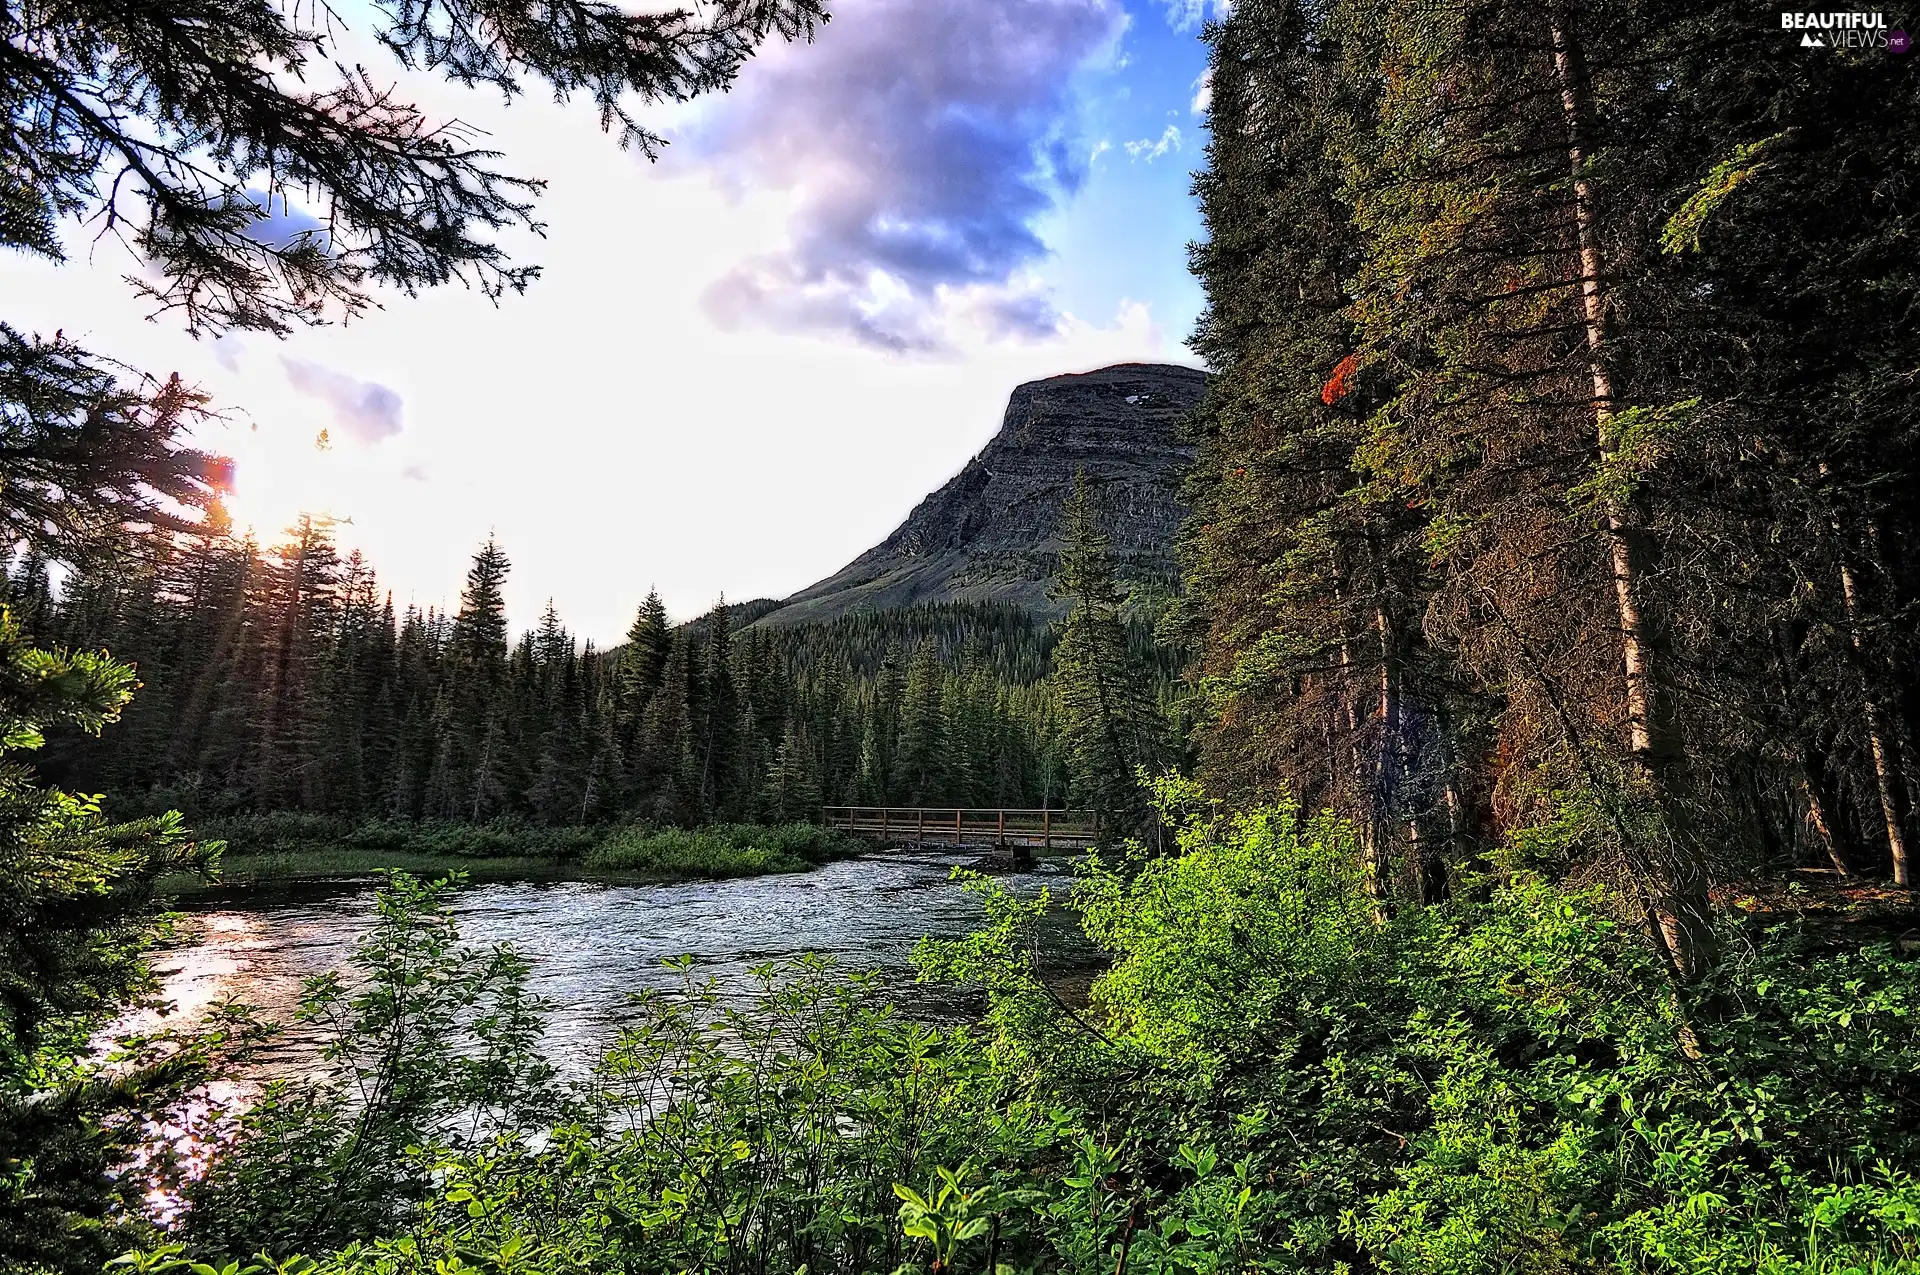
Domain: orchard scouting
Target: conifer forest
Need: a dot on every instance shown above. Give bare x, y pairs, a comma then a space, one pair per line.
1507, 809
282, 680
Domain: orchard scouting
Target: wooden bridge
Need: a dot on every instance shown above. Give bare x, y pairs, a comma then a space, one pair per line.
1010, 831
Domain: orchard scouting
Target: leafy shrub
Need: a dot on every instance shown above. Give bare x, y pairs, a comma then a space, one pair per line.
432, 1050
807, 841
296, 832
764, 1132
1507, 1082
1274, 1073
720, 850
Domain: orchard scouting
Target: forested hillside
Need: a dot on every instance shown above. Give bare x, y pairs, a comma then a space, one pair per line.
283, 679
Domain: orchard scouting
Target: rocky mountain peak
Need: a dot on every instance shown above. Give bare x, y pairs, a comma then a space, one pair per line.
992, 532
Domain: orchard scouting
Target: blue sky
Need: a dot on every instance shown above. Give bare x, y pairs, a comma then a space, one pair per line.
1124, 235
745, 363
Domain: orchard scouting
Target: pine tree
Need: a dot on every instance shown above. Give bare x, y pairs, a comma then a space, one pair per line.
479, 771
793, 781
719, 719
76, 894
480, 626
665, 771
1108, 723
920, 766
29, 593
601, 784
298, 585
644, 660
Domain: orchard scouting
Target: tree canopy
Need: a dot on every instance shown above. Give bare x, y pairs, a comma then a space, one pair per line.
267, 180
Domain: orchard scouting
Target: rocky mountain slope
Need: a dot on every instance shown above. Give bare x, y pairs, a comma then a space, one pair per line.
991, 534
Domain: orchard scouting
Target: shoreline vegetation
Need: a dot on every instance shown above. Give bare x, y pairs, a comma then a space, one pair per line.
1269, 1068
287, 847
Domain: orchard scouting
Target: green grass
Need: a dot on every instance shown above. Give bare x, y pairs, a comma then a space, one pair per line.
719, 850
293, 833
279, 847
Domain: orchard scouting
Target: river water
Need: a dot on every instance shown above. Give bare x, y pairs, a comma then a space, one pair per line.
593, 944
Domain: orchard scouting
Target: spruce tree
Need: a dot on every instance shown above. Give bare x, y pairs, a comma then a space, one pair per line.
479, 770
75, 894
1108, 721
297, 594
919, 774
719, 718
644, 660
665, 770
480, 626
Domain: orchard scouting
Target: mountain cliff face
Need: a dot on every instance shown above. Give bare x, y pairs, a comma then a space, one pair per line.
992, 533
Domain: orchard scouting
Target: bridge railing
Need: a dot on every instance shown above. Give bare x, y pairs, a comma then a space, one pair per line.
961, 825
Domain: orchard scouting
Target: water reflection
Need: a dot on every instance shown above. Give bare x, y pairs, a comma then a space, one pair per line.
593, 944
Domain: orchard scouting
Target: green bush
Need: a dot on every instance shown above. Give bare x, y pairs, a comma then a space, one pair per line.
719, 850
1274, 1073
429, 1044
296, 832
1507, 1082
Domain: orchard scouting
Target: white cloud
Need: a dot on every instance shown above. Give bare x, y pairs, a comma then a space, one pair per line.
919, 142
366, 410
1150, 149
1186, 15
227, 349
1202, 93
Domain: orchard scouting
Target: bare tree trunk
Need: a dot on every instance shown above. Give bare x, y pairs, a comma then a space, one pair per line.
1367, 821
1809, 769
1455, 803
1634, 646
1386, 788
1681, 902
1876, 732
1877, 743
1899, 735
1817, 819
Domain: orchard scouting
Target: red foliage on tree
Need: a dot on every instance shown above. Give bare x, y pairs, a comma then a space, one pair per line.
1341, 383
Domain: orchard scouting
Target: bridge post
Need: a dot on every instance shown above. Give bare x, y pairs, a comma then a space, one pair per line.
1000, 828
920, 828
883, 823
958, 816
1046, 827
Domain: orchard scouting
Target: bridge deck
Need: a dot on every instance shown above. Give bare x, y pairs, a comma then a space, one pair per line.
961, 826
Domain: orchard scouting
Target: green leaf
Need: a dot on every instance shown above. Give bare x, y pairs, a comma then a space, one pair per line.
1682, 231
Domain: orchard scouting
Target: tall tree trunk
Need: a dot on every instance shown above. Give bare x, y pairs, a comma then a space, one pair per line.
1883, 765
1819, 821
1362, 767
1809, 767
1389, 763
1454, 802
1878, 744
1895, 717
1681, 903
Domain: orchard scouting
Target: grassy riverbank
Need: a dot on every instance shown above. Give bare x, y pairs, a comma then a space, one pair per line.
263, 849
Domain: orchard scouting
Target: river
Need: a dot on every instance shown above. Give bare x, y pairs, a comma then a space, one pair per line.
592, 944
